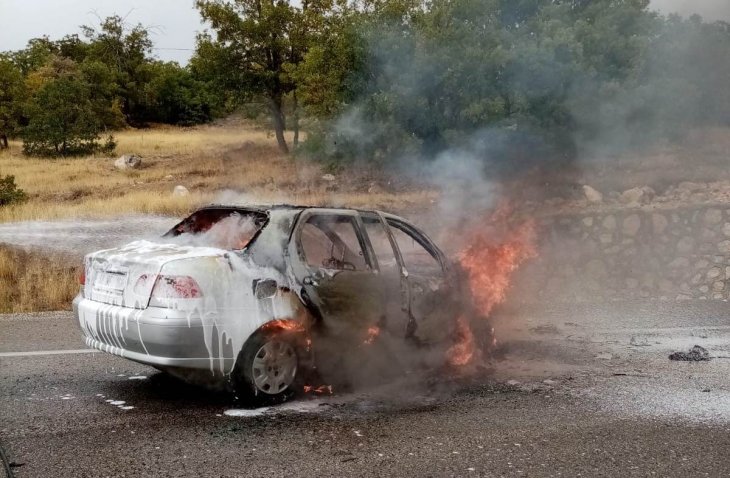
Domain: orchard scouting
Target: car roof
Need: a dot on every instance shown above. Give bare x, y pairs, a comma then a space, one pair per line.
264, 208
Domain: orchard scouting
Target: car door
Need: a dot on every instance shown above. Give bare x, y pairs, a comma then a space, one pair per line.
391, 271
332, 260
431, 302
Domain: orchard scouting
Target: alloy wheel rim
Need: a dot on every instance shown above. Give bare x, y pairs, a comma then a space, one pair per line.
274, 367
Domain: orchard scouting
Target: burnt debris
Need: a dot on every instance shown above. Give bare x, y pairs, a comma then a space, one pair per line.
695, 354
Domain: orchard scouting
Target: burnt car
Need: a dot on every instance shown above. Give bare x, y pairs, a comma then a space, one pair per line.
245, 295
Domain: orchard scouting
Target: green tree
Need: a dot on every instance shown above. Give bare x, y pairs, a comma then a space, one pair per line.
124, 50
12, 96
63, 114
330, 75
36, 54
257, 45
104, 93
9, 192
443, 74
174, 96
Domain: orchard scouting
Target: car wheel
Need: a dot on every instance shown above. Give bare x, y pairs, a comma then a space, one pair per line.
267, 370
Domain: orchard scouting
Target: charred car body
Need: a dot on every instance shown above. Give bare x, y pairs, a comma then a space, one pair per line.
250, 293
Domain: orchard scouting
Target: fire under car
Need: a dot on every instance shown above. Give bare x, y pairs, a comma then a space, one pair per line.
258, 297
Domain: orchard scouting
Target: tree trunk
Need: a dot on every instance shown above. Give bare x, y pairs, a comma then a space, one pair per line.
277, 118
3, 141
296, 121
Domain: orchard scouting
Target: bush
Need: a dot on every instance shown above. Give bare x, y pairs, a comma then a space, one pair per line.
9, 191
64, 117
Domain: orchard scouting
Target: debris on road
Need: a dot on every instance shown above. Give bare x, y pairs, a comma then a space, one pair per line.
695, 354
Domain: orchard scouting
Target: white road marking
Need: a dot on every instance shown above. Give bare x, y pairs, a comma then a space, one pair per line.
48, 352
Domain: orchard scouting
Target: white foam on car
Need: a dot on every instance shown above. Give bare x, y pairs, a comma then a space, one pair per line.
218, 272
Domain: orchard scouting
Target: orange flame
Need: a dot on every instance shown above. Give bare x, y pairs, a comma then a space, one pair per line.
373, 333
321, 390
282, 324
462, 351
489, 267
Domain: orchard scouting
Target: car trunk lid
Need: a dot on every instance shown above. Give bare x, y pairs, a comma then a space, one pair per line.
125, 276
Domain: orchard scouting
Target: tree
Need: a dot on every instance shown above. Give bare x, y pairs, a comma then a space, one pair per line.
174, 96
446, 74
330, 75
63, 113
257, 44
124, 50
9, 192
12, 95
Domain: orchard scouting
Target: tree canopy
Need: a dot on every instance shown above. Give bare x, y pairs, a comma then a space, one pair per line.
377, 80
61, 96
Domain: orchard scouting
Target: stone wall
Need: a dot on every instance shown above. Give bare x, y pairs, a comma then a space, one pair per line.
676, 254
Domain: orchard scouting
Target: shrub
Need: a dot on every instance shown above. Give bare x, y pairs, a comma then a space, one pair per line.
64, 118
9, 191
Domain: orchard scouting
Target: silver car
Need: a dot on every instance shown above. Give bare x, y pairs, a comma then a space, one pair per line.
251, 296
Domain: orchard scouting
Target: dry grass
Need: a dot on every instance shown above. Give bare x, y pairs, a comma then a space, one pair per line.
202, 159
206, 160
32, 281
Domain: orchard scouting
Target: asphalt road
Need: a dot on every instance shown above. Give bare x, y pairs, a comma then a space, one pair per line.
578, 391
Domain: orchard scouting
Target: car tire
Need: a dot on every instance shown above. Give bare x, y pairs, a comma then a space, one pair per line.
268, 369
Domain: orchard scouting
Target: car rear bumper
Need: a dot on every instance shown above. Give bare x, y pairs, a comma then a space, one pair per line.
153, 336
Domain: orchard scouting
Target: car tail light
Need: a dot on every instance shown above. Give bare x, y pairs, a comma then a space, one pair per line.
175, 287
144, 283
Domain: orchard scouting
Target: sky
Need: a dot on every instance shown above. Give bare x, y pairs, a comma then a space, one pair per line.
173, 23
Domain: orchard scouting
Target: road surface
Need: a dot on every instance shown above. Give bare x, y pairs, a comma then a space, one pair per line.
578, 391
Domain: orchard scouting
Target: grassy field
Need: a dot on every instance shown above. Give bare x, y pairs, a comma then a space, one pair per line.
231, 163
207, 160
31, 281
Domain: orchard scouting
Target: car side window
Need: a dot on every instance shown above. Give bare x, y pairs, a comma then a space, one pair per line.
418, 260
380, 241
331, 242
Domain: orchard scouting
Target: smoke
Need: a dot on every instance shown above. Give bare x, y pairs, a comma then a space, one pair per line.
467, 95
232, 232
494, 101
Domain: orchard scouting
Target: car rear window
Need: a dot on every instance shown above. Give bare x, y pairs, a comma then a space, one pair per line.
221, 228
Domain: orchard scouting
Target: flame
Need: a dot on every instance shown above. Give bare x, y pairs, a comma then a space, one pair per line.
283, 324
488, 266
463, 349
373, 333
321, 390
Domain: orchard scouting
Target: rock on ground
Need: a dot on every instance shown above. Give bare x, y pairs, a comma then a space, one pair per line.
180, 191
592, 195
128, 161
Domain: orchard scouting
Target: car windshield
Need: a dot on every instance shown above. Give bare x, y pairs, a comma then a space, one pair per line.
221, 228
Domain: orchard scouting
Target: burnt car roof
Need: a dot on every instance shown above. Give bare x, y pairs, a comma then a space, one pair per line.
292, 207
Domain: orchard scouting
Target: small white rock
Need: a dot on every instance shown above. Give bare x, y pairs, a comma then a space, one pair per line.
180, 191
592, 195
128, 161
